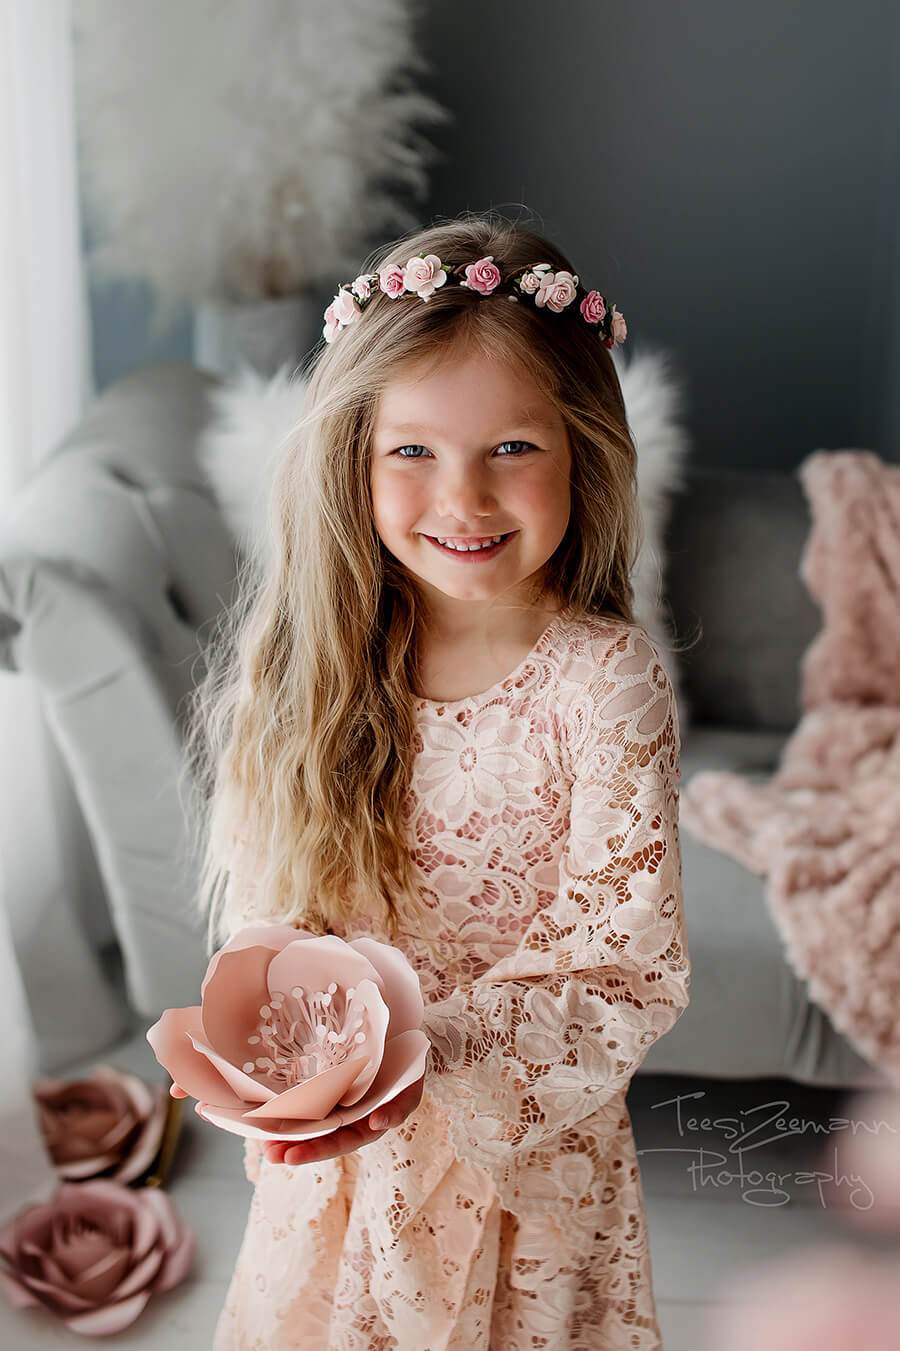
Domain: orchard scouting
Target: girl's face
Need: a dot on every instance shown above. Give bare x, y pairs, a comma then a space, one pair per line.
469, 451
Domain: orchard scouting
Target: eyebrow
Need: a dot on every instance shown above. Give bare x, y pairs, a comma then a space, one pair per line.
527, 420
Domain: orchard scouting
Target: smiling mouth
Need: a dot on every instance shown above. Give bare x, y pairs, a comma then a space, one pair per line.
484, 551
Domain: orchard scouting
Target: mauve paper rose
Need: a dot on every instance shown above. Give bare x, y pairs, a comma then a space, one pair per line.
107, 1122
557, 290
619, 329
296, 1034
94, 1253
529, 282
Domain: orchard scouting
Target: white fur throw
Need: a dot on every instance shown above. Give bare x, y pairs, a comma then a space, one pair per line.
252, 414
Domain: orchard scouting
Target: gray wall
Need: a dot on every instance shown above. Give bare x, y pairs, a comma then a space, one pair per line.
727, 174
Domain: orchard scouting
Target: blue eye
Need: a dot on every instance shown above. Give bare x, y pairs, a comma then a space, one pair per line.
527, 444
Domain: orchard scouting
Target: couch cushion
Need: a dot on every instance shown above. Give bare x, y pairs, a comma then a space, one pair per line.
750, 1016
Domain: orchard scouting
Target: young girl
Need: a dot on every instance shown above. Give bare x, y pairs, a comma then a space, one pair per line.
473, 753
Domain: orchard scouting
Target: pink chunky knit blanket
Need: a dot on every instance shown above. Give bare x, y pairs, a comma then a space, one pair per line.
825, 828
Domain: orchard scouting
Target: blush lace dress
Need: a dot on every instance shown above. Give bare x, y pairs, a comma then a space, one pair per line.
506, 1213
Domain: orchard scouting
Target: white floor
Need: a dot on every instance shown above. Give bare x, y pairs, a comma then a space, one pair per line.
705, 1227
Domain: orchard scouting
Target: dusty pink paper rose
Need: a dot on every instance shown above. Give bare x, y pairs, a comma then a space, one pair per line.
106, 1122
557, 290
424, 275
529, 282
94, 1253
362, 286
332, 324
392, 281
483, 276
342, 311
619, 329
295, 1034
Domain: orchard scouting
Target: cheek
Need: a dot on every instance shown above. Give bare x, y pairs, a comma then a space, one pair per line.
545, 501
396, 504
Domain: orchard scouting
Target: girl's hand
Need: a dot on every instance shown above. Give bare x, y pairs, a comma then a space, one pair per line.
354, 1136
177, 1092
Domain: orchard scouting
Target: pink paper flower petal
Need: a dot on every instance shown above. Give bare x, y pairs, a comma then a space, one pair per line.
162, 1209
245, 1087
99, 1280
57, 1293
236, 1123
147, 1225
141, 1275
178, 1262
403, 1063
33, 1225
402, 992
232, 998
314, 1098
82, 1168
314, 965
114, 1318
146, 1146
274, 936
19, 1296
170, 1038
367, 1007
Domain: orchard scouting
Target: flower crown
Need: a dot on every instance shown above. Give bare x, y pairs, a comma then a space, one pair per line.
423, 274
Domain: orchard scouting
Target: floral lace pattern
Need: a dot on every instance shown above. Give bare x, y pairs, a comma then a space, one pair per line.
507, 1212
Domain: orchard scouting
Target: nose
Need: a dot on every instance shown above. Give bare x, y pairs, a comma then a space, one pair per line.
464, 495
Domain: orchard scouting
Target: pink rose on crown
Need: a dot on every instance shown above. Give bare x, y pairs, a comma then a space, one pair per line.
342, 311
483, 276
619, 329
557, 290
362, 286
295, 1034
392, 280
424, 275
593, 308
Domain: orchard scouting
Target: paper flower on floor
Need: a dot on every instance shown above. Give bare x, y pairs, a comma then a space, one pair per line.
296, 1034
94, 1254
104, 1122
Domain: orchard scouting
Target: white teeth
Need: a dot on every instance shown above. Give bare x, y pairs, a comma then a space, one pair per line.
468, 548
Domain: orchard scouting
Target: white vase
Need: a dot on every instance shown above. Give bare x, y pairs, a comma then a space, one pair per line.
263, 334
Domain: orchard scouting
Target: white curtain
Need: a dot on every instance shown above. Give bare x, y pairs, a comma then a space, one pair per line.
52, 1006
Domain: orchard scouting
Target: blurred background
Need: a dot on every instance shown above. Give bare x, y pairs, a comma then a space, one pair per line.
185, 186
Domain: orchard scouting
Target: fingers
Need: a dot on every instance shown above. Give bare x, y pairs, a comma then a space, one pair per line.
354, 1136
394, 1112
177, 1092
341, 1141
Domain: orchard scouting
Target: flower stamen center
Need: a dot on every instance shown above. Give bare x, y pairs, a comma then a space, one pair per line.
303, 1034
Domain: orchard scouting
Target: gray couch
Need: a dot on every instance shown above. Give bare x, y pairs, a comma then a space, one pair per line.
115, 563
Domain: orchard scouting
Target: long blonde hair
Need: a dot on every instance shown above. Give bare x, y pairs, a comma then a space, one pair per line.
301, 735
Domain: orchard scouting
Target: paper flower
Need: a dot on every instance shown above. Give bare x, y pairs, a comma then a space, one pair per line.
94, 1254
107, 1120
296, 1034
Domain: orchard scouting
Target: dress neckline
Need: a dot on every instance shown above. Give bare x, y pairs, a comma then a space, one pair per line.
510, 679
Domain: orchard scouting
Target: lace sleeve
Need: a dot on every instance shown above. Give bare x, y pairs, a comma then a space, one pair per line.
555, 1029
253, 1150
